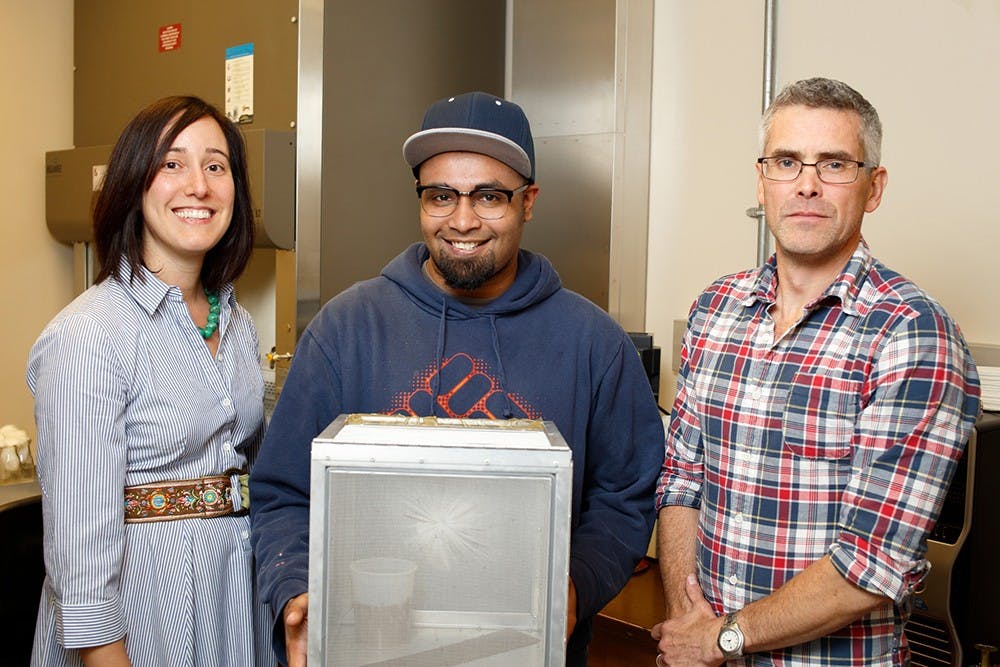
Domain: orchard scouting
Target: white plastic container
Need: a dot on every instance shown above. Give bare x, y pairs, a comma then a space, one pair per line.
381, 595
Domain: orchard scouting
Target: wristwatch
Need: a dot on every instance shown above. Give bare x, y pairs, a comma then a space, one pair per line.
731, 638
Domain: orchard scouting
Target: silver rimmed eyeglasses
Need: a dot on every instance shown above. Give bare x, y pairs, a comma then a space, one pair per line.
836, 171
439, 201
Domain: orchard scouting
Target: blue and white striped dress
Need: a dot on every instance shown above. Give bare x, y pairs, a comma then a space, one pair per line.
127, 392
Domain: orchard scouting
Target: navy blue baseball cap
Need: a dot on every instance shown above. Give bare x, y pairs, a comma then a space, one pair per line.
477, 123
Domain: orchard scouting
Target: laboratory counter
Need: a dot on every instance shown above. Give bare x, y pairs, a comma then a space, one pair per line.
23, 567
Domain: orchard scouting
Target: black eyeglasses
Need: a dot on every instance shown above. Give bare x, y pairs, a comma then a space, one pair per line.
439, 201
835, 171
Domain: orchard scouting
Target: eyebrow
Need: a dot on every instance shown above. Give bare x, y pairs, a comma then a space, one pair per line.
491, 185
825, 155
209, 150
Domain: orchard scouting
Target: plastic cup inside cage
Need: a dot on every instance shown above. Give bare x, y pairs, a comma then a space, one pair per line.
382, 591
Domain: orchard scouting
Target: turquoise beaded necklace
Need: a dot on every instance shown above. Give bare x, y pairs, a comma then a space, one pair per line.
213, 316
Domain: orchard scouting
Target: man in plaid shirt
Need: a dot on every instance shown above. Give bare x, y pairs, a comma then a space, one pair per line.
823, 402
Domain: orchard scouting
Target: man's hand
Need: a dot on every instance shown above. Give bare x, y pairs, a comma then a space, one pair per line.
296, 617
690, 639
570, 610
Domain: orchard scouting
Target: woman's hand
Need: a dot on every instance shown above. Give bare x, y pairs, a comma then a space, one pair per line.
108, 655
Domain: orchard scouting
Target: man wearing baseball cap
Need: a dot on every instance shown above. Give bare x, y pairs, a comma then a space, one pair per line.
467, 324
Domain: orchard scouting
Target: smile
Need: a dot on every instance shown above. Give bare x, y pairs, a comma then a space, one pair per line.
465, 245
193, 213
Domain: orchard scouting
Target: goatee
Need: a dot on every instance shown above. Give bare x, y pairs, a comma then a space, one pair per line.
466, 274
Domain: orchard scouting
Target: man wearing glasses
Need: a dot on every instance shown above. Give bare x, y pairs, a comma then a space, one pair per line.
823, 402
467, 324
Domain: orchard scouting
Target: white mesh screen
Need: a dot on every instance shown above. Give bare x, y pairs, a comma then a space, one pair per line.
436, 569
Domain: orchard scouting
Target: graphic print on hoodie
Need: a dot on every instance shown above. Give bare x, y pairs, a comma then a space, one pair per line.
466, 389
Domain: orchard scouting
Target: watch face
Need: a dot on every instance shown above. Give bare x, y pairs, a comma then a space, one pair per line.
729, 640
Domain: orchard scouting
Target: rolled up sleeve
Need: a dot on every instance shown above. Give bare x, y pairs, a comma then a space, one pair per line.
922, 400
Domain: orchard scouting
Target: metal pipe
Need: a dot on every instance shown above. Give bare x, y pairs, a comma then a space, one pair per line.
764, 244
769, 10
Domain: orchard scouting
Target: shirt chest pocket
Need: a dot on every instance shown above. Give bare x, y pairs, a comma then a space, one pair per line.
820, 414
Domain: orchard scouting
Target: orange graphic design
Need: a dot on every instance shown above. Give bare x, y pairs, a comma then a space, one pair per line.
467, 390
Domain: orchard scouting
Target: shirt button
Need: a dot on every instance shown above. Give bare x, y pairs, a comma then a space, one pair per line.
738, 518
226, 402
734, 580
227, 446
245, 534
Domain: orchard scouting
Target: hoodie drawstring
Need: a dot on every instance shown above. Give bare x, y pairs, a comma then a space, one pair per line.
501, 372
436, 386
508, 408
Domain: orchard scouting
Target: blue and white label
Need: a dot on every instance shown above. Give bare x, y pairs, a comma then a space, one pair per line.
239, 83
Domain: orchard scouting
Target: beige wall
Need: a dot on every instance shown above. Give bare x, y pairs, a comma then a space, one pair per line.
706, 101
36, 49
926, 66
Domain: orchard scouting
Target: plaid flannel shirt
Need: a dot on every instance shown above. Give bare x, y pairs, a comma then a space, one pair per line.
839, 437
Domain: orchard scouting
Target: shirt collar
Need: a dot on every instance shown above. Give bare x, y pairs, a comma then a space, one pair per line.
143, 286
845, 287
149, 291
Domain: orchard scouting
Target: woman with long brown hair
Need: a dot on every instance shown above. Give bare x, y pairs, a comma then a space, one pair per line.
148, 402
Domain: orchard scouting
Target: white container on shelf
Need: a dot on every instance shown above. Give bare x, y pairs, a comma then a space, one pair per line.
16, 464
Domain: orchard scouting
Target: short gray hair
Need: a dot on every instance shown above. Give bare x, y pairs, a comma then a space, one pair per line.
820, 93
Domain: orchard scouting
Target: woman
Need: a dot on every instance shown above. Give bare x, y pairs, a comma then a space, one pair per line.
149, 405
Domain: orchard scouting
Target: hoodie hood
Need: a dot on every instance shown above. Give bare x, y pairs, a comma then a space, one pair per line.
536, 281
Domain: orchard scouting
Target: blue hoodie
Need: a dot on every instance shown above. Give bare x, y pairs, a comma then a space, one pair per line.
398, 344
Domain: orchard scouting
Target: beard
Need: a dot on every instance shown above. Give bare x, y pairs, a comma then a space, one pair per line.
466, 274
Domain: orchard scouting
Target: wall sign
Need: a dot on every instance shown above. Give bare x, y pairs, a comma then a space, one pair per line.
170, 37
239, 83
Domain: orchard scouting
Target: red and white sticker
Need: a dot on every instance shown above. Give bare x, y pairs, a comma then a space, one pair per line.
170, 37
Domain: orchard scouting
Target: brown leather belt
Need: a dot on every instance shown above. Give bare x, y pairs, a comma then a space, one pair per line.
204, 498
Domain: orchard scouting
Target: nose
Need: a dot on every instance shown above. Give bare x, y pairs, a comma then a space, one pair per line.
464, 217
197, 184
808, 183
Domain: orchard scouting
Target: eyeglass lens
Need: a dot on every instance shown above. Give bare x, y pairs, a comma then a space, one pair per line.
441, 202
829, 171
